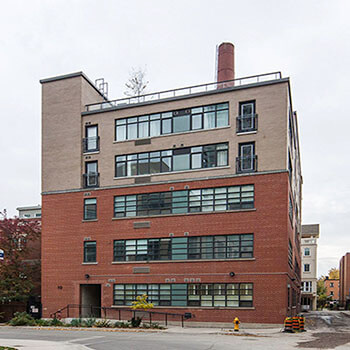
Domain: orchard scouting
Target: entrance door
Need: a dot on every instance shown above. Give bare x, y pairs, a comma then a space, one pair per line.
90, 300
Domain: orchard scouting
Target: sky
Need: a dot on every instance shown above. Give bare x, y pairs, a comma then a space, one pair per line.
175, 41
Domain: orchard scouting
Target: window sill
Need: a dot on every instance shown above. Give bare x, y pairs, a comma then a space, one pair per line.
87, 153
246, 132
90, 263
173, 172
175, 133
92, 220
190, 307
182, 214
181, 261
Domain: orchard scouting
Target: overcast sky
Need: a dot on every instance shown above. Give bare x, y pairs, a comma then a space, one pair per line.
307, 40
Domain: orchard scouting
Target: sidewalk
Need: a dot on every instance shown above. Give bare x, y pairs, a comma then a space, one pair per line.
40, 345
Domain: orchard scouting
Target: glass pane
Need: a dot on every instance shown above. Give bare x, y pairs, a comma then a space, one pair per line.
132, 131
155, 128
166, 126
209, 120
143, 129
121, 132
197, 121
221, 118
181, 123
121, 169
181, 162
196, 161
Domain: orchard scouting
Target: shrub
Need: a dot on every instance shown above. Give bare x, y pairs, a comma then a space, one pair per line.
102, 324
22, 319
55, 322
43, 323
89, 322
135, 322
76, 322
121, 324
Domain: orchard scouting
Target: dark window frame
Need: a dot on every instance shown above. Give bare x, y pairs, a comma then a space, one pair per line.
186, 201
86, 148
170, 115
242, 118
179, 294
86, 215
87, 253
253, 158
209, 247
123, 160
91, 179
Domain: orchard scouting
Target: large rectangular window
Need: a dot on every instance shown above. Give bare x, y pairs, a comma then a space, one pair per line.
197, 157
90, 251
91, 140
247, 118
208, 294
205, 117
186, 201
185, 248
90, 209
247, 159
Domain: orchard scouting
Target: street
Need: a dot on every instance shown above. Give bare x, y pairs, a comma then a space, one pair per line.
327, 330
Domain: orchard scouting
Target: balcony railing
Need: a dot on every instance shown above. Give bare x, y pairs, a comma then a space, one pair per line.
91, 179
190, 90
91, 144
247, 164
246, 123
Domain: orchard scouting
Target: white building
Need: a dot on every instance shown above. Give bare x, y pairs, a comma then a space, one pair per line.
33, 212
309, 236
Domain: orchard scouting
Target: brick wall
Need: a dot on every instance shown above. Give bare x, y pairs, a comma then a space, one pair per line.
64, 232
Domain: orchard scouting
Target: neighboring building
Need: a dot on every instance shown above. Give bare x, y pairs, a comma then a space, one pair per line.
192, 196
332, 286
309, 237
33, 212
344, 281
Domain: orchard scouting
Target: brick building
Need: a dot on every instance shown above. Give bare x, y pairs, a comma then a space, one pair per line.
332, 286
344, 281
192, 196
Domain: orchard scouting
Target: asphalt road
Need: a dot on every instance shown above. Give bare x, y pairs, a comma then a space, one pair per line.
99, 340
326, 330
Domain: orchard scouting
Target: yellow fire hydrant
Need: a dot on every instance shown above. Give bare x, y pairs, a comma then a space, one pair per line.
236, 323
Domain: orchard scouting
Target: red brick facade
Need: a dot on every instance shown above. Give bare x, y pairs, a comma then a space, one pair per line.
64, 231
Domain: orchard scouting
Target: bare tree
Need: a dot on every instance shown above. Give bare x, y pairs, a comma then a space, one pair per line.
136, 84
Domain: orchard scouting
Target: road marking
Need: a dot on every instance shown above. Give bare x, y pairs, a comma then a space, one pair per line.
88, 338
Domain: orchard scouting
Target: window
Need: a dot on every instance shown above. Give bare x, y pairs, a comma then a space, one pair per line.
204, 117
306, 251
247, 160
208, 156
247, 119
187, 201
290, 254
306, 267
91, 141
306, 286
290, 209
90, 251
331, 284
185, 248
90, 209
331, 293
91, 174
209, 294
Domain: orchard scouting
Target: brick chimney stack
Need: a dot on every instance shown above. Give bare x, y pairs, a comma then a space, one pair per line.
226, 62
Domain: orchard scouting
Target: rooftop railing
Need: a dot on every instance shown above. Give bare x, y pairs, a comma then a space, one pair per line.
190, 90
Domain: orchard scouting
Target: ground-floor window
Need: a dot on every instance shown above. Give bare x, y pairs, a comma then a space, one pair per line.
202, 294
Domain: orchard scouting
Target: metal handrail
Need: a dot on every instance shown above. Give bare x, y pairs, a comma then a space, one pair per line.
133, 312
189, 90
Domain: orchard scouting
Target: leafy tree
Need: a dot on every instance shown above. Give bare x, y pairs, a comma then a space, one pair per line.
19, 276
136, 84
322, 297
333, 273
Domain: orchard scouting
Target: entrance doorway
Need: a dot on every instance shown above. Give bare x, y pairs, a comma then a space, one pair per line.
90, 300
